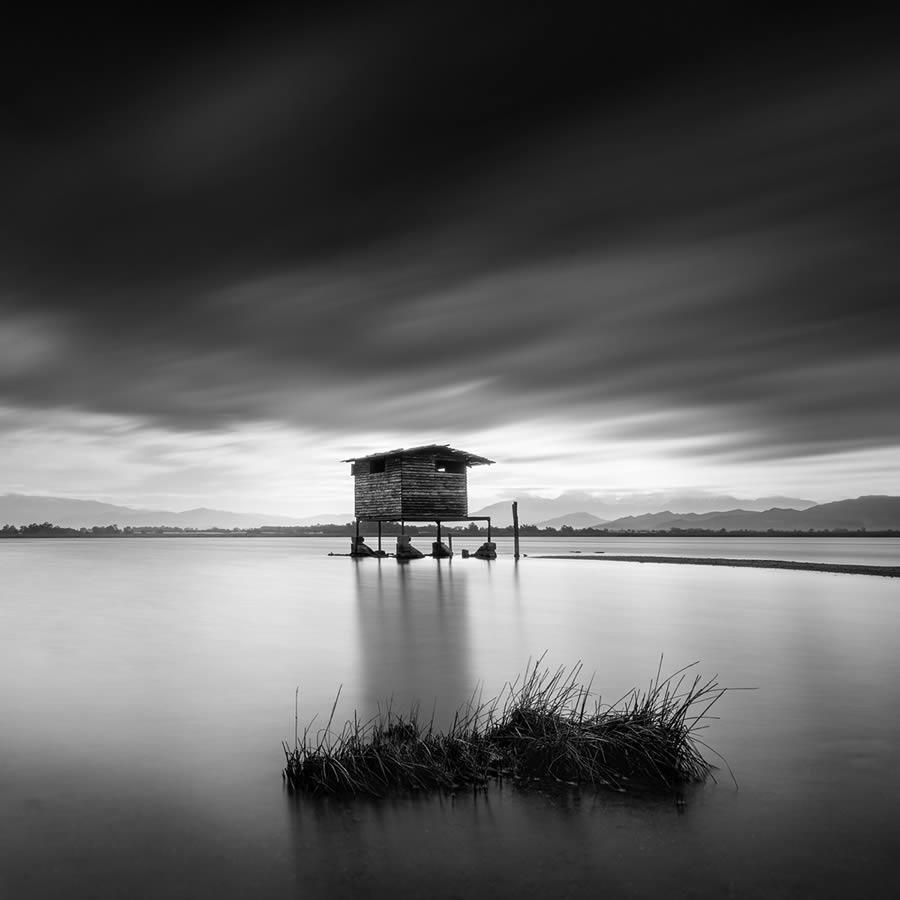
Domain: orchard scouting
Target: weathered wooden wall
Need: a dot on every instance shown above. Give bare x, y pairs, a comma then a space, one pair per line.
378, 495
431, 494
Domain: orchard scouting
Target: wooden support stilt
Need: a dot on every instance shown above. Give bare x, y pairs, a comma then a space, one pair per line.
379, 535
489, 528
515, 512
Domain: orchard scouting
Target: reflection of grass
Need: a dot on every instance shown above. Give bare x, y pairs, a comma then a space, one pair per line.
538, 728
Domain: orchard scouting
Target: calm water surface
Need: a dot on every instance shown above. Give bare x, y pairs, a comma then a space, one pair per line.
146, 686
856, 551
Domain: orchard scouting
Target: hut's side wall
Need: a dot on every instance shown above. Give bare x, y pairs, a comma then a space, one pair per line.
378, 495
430, 494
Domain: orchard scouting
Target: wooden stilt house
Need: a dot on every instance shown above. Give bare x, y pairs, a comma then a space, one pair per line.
427, 483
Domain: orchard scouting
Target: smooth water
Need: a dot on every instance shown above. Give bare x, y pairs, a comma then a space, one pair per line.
853, 551
146, 686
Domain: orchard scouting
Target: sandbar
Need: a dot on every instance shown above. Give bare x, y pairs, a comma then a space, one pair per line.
842, 568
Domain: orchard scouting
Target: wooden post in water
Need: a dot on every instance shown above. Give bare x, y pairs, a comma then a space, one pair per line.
489, 529
379, 535
437, 548
515, 511
450, 542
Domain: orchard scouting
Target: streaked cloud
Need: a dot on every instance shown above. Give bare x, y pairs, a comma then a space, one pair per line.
402, 224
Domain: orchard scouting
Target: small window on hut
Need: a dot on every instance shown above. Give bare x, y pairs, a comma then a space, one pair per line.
376, 466
450, 466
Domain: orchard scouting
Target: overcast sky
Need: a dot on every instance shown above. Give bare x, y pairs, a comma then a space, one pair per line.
621, 256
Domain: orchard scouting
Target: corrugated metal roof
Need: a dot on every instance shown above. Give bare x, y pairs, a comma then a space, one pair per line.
471, 459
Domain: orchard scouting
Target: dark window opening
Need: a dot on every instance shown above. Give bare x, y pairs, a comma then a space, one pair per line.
376, 466
450, 466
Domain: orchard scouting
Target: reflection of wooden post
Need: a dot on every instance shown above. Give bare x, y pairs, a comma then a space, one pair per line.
516, 528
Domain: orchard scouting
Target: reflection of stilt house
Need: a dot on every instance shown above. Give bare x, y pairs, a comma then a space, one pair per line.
419, 484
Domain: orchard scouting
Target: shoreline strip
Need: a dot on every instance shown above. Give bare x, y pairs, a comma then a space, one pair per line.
841, 568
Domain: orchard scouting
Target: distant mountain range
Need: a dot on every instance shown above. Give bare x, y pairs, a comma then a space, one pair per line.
789, 514
573, 520
872, 513
780, 513
22, 509
580, 507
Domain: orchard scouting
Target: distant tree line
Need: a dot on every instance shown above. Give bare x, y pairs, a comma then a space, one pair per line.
47, 529
389, 529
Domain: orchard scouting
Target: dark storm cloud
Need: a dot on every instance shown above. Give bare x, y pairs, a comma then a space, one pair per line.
446, 219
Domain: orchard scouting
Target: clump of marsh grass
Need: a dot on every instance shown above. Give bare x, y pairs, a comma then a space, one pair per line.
540, 727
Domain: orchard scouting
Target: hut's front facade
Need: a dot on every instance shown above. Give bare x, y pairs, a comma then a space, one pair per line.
427, 483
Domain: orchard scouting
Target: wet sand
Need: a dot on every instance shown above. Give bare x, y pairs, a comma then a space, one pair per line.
842, 568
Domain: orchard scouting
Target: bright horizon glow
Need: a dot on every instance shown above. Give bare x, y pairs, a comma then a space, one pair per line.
284, 471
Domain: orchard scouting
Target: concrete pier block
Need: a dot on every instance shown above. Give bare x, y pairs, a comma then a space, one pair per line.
488, 550
405, 549
359, 547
